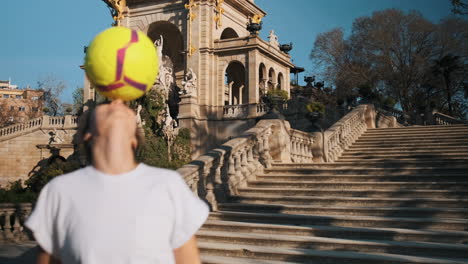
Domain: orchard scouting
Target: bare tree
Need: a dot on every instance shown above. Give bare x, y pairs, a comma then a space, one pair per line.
52, 88
78, 100
459, 7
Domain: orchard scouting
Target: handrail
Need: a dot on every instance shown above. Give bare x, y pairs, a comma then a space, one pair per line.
443, 119
400, 116
45, 122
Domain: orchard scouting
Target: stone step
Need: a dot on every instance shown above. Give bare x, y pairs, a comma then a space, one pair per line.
422, 140
390, 160
396, 144
393, 148
457, 213
345, 221
209, 259
415, 128
406, 153
424, 249
409, 137
395, 234
374, 193
365, 178
393, 160
419, 166
447, 131
315, 256
350, 201
352, 185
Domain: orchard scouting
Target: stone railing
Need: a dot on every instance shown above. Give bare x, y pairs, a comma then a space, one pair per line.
262, 108
235, 111
219, 173
390, 111
12, 217
29, 125
222, 171
302, 146
344, 132
44, 122
442, 119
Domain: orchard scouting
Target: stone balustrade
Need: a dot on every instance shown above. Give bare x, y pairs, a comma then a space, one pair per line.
220, 172
442, 119
12, 217
44, 122
344, 132
302, 145
16, 128
262, 108
236, 111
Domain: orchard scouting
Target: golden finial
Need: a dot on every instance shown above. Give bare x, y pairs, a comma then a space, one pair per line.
116, 8
257, 19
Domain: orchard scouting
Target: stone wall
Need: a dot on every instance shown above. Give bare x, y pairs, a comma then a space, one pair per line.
22, 148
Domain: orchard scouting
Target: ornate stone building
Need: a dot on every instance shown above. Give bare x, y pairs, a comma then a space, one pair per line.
19, 105
219, 69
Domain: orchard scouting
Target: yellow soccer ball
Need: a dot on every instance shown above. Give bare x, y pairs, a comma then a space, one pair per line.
121, 63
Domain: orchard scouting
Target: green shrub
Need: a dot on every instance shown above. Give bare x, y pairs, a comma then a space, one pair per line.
278, 93
316, 107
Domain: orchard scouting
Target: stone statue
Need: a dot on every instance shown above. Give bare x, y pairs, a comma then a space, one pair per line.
273, 39
138, 116
54, 137
159, 47
165, 78
190, 83
169, 131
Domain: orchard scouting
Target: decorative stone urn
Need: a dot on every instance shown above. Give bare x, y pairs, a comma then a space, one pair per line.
286, 48
254, 28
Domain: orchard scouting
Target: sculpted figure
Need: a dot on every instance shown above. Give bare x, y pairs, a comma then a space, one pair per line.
190, 83
273, 39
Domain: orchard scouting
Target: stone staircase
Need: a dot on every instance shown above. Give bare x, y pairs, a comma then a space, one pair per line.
396, 195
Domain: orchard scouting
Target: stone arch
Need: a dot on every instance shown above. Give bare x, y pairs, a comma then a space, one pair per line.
229, 33
271, 79
280, 82
235, 83
173, 45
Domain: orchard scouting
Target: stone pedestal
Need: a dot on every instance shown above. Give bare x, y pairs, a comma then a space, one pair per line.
189, 113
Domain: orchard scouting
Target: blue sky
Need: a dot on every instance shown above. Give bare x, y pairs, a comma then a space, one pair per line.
41, 38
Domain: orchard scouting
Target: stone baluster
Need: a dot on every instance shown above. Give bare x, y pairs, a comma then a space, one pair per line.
250, 160
232, 174
244, 166
266, 151
209, 179
219, 188
256, 153
7, 227
17, 228
238, 168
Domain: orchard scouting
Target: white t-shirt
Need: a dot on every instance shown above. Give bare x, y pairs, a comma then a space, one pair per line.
137, 217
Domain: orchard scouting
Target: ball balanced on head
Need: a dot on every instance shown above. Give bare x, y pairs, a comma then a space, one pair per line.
121, 63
